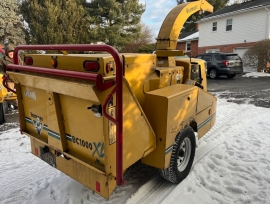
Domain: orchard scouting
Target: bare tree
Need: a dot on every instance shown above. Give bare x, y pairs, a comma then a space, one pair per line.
145, 38
258, 56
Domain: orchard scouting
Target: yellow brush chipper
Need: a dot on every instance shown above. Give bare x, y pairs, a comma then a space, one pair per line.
92, 116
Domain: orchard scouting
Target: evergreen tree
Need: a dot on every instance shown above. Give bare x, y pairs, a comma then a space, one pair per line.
55, 21
190, 23
11, 27
115, 22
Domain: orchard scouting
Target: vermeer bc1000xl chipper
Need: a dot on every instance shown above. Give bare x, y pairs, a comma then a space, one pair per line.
92, 116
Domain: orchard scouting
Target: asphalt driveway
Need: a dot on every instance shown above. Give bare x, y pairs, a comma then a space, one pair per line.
242, 90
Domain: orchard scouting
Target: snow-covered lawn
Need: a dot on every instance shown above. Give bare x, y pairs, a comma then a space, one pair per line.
256, 74
232, 165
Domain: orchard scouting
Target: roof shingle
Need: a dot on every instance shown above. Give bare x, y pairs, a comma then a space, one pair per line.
238, 7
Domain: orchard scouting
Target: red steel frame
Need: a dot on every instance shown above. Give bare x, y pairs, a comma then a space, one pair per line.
97, 78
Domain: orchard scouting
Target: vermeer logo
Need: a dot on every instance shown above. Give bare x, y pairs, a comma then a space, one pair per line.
30, 94
191, 9
37, 121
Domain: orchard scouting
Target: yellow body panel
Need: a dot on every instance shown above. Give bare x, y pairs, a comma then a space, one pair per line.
167, 110
83, 173
76, 64
185, 62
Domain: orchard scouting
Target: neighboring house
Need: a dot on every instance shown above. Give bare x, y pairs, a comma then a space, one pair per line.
235, 28
188, 41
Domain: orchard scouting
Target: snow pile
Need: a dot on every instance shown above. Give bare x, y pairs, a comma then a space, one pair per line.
232, 165
256, 74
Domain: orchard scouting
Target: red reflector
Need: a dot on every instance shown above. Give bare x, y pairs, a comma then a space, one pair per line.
226, 63
54, 62
36, 151
91, 66
108, 68
97, 186
28, 60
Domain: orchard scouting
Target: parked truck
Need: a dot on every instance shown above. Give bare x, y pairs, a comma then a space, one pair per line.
92, 116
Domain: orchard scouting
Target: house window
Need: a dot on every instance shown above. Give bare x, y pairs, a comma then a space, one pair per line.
214, 26
188, 45
229, 25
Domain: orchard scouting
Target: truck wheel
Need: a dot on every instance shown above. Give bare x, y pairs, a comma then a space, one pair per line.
230, 76
2, 114
213, 74
182, 156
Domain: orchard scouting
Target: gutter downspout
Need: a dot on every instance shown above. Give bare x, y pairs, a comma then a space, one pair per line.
267, 24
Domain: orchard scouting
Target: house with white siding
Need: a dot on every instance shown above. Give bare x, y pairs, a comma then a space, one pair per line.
235, 28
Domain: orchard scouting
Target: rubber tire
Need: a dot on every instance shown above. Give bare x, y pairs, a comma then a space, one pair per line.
230, 76
172, 173
215, 73
2, 114
5, 104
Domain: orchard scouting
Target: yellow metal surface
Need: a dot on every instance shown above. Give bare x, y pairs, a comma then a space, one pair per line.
60, 118
138, 69
173, 23
167, 110
206, 112
56, 122
87, 176
171, 27
138, 136
77, 89
186, 63
76, 64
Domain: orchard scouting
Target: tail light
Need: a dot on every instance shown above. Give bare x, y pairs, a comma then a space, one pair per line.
225, 62
28, 60
108, 68
92, 66
54, 62
97, 186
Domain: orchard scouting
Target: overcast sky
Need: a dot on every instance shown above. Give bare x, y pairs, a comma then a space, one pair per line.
156, 11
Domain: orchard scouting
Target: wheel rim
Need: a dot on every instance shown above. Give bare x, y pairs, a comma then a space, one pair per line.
213, 73
184, 154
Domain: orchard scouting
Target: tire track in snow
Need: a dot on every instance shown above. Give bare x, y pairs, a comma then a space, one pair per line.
32, 172
20, 175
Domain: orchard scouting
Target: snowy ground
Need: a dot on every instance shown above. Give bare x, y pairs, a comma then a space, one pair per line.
232, 165
256, 74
